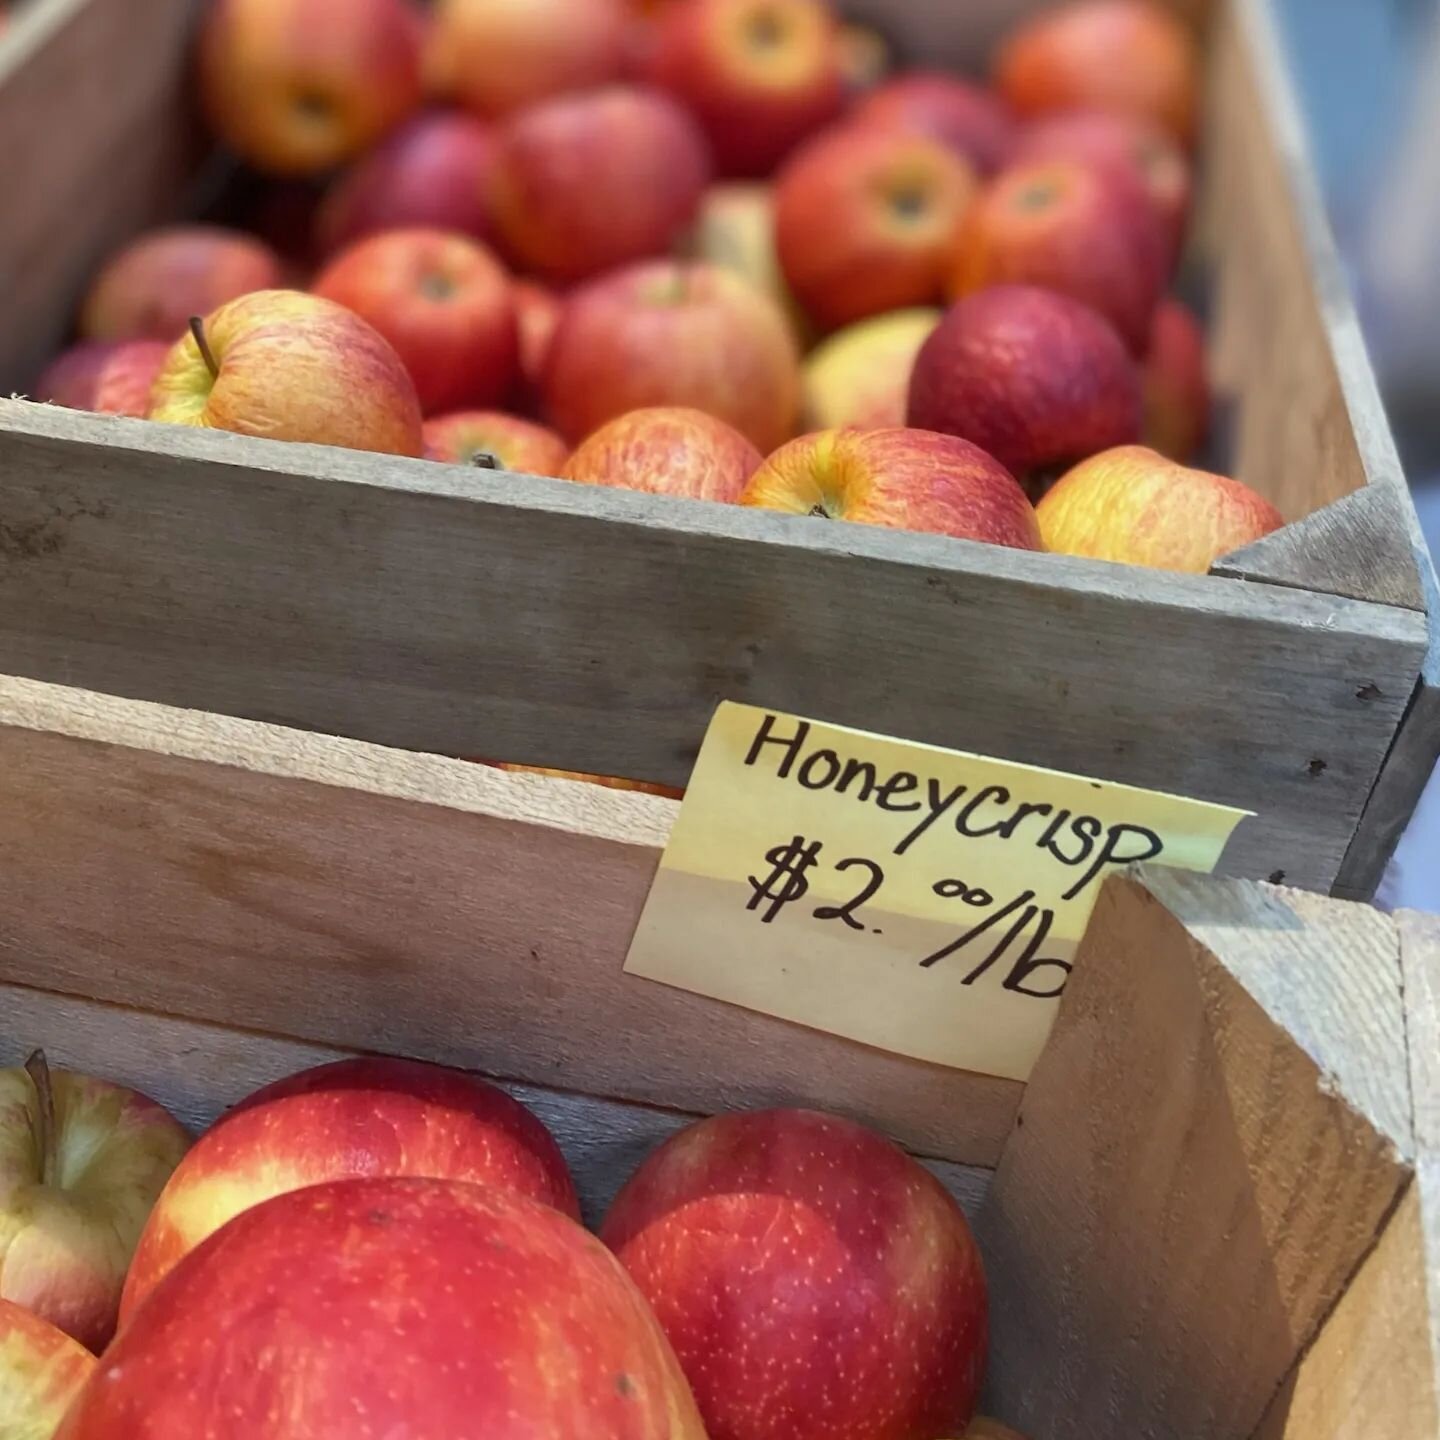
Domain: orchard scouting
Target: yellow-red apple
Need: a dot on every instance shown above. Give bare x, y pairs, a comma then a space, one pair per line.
108, 378
588, 182
900, 478
1036, 379
866, 220
388, 1308
968, 118
667, 450
443, 301
353, 1118
761, 75
297, 87
860, 376
81, 1163
434, 173
1177, 385
1088, 232
41, 1371
470, 436
498, 56
813, 1279
1134, 506
155, 284
284, 365
669, 333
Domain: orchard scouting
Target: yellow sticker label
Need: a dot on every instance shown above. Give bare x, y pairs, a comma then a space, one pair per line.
914, 898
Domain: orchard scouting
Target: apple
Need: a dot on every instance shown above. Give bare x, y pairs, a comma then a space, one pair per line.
391, 1307
1130, 56
667, 450
297, 87
106, 377
537, 309
866, 219
900, 478
154, 285
971, 120
498, 56
761, 75
1088, 232
41, 1371
860, 376
1133, 505
69, 379
588, 182
813, 1279
443, 301
81, 1163
363, 1117
1176, 383
284, 365
433, 172
1036, 379
474, 437
665, 332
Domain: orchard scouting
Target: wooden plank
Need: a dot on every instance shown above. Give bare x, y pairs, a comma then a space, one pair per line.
343, 895
98, 141
197, 1071
419, 606
1190, 1185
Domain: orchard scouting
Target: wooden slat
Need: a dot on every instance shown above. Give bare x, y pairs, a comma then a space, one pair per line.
344, 895
595, 630
1191, 1185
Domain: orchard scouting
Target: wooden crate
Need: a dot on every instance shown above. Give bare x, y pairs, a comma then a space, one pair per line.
1213, 1212
428, 608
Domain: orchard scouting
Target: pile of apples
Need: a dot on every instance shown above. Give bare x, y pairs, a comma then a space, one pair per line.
380, 1248
701, 248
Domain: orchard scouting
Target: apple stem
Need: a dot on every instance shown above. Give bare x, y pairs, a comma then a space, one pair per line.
38, 1069
197, 329
819, 512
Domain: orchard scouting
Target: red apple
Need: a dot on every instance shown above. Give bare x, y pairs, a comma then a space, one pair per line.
667, 333
443, 301
297, 87
498, 56
81, 1162
387, 1308
667, 450
1036, 379
860, 376
588, 182
1090, 233
108, 378
69, 379
41, 1371
520, 446
432, 173
151, 288
813, 1279
353, 1118
284, 365
1177, 387
971, 120
1134, 506
761, 75
866, 219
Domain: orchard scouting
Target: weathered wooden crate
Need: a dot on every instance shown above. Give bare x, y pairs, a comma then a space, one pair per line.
1213, 1212
426, 608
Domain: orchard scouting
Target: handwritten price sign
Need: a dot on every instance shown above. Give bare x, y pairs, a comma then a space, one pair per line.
914, 898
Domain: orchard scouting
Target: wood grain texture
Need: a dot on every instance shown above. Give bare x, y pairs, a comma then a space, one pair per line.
418, 606
98, 141
1188, 1191
238, 873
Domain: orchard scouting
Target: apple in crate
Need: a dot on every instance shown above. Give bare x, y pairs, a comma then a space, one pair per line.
108, 378
474, 437
860, 376
361, 1117
81, 1163
41, 1372
816, 1282
391, 1307
1135, 506
966, 117
1176, 382
289, 366
667, 450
